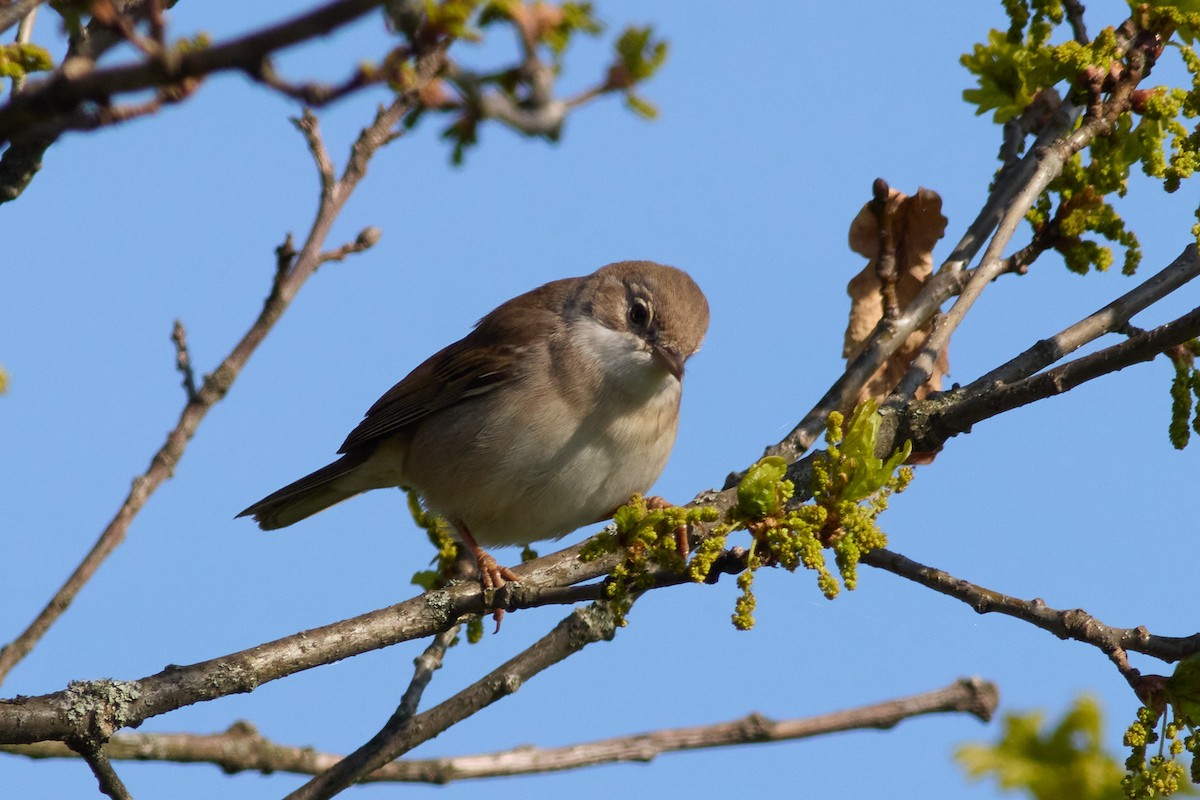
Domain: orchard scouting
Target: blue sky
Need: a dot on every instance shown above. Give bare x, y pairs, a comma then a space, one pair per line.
775, 119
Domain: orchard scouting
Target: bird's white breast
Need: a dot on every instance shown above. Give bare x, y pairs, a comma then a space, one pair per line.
540, 458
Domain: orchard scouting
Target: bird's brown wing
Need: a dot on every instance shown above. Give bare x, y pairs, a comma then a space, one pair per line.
485, 359
448, 377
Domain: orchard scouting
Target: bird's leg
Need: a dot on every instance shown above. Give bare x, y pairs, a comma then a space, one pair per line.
491, 574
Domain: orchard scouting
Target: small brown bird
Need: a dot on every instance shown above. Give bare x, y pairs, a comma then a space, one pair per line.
559, 405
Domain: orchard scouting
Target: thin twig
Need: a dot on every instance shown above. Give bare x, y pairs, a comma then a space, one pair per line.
354, 767
313, 94
1074, 623
957, 413
367, 237
12, 14
580, 628
242, 748
110, 783
1074, 10
1113, 318
216, 384
183, 361
24, 36
62, 94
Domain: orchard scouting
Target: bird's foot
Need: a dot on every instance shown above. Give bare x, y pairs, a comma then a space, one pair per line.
492, 575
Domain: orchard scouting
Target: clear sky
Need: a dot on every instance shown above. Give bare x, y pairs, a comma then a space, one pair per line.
775, 119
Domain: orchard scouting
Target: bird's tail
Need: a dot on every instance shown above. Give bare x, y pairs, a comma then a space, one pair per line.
315, 492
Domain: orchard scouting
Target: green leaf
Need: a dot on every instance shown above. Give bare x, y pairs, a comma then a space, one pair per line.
1184, 686
868, 474
759, 493
1049, 763
641, 107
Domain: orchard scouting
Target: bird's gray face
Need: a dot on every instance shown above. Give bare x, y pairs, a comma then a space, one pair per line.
658, 314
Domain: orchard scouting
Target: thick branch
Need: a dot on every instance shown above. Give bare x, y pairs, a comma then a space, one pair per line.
107, 706
241, 748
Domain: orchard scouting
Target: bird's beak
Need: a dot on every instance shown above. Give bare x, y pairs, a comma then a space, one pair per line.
671, 360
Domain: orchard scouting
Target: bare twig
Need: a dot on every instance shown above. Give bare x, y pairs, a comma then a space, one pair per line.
580, 628
242, 748
1074, 10
24, 36
308, 124
944, 284
63, 93
284, 288
1074, 623
885, 267
960, 411
311, 93
110, 783
12, 14
183, 361
1114, 317
358, 764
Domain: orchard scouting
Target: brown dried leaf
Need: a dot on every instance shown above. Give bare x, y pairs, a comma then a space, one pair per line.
916, 226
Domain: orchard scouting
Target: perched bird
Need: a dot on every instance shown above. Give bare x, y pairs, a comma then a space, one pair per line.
559, 405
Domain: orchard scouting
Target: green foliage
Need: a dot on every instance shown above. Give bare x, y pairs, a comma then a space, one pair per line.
1015, 68
452, 17
443, 541
639, 57
1161, 775
18, 60
850, 489
1184, 387
650, 538
1183, 689
1049, 762
447, 547
545, 31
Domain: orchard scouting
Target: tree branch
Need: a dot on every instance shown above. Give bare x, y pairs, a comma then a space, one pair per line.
1074, 623
286, 284
1112, 318
581, 627
959, 410
242, 748
355, 766
12, 14
944, 284
63, 94
110, 783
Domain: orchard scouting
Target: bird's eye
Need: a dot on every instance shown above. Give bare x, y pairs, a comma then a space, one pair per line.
639, 313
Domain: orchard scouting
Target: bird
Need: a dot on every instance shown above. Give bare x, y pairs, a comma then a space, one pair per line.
559, 406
